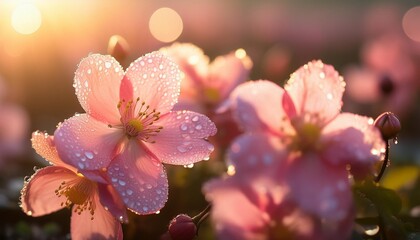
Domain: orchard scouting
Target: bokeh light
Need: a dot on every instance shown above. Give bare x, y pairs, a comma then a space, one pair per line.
26, 18
410, 23
166, 25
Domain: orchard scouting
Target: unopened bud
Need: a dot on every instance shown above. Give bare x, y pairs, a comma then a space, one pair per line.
118, 47
182, 227
388, 124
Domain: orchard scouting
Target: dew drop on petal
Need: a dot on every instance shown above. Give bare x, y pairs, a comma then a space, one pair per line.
29, 213
206, 158
182, 148
108, 64
145, 209
157, 212
210, 147
89, 155
81, 165
329, 96
129, 192
183, 127
114, 179
121, 182
198, 127
194, 119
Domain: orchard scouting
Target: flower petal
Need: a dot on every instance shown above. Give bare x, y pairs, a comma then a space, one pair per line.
352, 139
156, 81
111, 200
102, 226
140, 179
317, 90
182, 140
97, 82
44, 145
319, 188
257, 105
228, 71
235, 214
38, 194
251, 152
86, 143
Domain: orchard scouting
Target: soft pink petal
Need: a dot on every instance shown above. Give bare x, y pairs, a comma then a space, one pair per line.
257, 105
86, 143
234, 214
140, 179
156, 81
97, 82
44, 145
319, 188
111, 200
316, 89
38, 194
192, 63
228, 71
352, 139
102, 226
182, 140
362, 84
252, 154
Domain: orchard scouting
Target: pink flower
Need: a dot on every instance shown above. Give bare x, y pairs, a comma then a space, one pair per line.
129, 130
93, 201
298, 140
386, 77
205, 83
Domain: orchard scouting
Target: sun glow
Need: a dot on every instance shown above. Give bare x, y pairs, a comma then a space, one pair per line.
26, 18
165, 24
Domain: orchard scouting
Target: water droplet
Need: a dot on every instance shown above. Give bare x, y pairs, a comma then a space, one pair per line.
329, 96
182, 148
148, 186
198, 127
145, 209
81, 165
77, 154
231, 170
194, 119
157, 212
114, 179
89, 71
29, 213
121, 182
210, 147
158, 191
189, 165
108, 64
89, 155
183, 127
395, 140
129, 192
117, 69
206, 158
121, 218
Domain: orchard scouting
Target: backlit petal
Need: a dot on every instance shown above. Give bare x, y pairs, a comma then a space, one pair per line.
97, 83
156, 81
316, 89
319, 188
228, 71
352, 139
182, 139
44, 145
257, 105
112, 201
140, 179
253, 154
103, 226
86, 143
38, 194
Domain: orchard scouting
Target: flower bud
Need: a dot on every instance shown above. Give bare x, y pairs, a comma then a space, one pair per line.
118, 47
388, 124
182, 227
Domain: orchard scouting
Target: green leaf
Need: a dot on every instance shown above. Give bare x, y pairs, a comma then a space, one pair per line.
398, 177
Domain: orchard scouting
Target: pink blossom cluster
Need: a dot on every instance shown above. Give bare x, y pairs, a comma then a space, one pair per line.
109, 159
291, 153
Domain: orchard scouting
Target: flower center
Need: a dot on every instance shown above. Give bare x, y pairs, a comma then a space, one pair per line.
133, 127
138, 120
212, 95
78, 192
307, 136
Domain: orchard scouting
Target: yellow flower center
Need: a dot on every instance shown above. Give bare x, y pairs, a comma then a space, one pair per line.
307, 136
78, 192
134, 127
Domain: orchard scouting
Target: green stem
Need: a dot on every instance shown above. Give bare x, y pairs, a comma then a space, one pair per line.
384, 164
